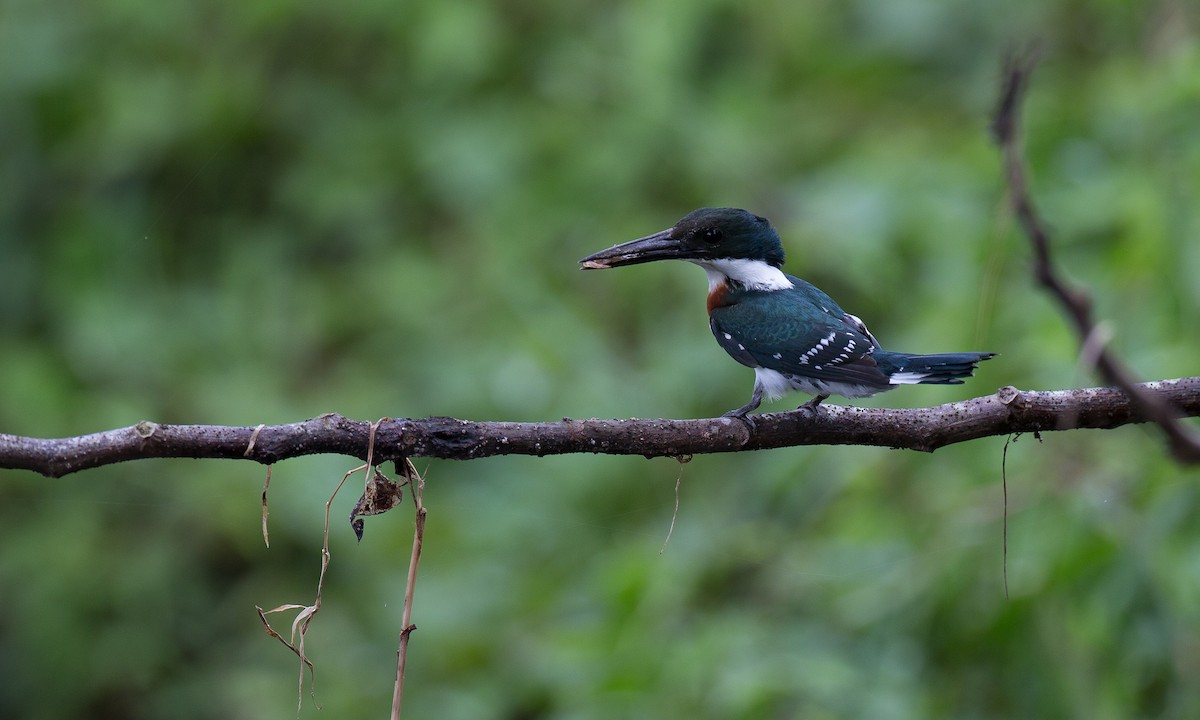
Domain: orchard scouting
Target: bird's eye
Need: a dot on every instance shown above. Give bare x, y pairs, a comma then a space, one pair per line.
712, 236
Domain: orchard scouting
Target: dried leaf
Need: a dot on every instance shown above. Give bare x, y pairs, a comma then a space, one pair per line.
381, 494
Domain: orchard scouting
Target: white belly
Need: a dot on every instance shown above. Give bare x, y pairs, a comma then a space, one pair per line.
776, 384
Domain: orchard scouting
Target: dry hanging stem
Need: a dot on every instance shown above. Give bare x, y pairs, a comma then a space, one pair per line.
265, 512
416, 485
307, 612
304, 617
682, 460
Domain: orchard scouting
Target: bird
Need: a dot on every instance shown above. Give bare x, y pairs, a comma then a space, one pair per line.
793, 335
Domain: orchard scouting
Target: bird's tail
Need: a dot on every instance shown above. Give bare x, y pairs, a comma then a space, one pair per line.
943, 369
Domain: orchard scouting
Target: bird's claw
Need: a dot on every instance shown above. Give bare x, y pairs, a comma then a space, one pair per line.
811, 406
745, 418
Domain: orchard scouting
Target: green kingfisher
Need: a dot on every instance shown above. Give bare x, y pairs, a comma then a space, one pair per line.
792, 334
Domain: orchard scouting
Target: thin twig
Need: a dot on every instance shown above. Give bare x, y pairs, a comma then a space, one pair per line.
682, 460
1004, 526
1182, 440
307, 612
253, 440
265, 512
416, 485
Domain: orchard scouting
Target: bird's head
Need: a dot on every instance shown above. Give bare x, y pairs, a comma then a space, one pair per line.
702, 235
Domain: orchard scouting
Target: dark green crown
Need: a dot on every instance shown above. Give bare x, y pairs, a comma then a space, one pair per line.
714, 233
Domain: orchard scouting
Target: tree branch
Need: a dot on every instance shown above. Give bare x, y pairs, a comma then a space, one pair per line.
925, 429
1182, 440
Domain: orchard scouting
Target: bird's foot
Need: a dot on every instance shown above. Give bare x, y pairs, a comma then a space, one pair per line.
811, 405
743, 415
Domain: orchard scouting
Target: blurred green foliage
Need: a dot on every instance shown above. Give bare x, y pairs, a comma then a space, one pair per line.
253, 212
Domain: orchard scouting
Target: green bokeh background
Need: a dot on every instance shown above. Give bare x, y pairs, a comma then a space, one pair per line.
255, 212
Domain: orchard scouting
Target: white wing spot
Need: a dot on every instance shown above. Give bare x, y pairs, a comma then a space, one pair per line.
907, 378
862, 328
728, 336
777, 356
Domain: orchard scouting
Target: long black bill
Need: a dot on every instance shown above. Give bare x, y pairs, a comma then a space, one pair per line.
658, 246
